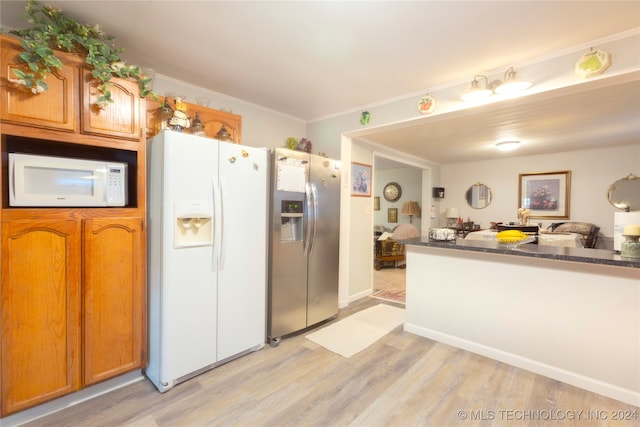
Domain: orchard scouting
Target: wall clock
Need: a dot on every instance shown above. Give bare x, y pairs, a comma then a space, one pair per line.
392, 192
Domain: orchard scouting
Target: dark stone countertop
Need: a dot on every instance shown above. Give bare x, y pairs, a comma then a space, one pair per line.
590, 256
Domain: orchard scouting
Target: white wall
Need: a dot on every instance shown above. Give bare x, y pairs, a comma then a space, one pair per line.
357, 219
360, 224
578, 323
261, 127
591, 173
410, 181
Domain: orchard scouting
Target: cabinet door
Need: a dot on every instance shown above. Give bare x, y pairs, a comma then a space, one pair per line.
121, 118
55, 108
213, 121
40, 308
113, 297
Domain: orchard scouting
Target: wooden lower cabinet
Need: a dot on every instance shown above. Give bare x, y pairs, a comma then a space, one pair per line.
40, 307
113, 315
72, 306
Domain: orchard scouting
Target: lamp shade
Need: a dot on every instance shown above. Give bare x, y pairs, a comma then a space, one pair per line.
410, 208
452, 213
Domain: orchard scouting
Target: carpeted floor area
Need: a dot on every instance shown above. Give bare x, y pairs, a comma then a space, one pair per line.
390, 284
398, 297
389, 279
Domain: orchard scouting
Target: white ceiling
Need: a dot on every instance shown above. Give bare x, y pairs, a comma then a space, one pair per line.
316, 59
600, 113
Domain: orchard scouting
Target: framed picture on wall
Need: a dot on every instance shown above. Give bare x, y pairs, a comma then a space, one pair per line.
376, 203
392, 215
545, 194
360, 180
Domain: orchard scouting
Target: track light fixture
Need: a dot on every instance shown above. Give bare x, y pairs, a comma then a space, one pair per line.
510, 85
475, 92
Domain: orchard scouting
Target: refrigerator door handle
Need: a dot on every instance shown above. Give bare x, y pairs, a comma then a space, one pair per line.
307, 218
216, 223
314, 207
221, 221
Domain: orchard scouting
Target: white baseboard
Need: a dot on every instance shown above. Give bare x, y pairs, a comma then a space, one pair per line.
69, 400
630, 397
358, 296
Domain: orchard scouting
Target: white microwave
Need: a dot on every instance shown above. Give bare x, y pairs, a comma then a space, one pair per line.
59, 181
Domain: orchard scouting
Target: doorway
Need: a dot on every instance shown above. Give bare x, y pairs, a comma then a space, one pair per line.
389, 277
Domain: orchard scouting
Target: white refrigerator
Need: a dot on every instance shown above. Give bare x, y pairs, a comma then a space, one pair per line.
207, 249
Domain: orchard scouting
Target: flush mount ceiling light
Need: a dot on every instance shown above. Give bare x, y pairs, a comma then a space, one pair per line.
475, 92
507, 145
511, 83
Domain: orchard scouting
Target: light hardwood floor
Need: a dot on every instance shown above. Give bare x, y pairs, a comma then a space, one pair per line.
401, 380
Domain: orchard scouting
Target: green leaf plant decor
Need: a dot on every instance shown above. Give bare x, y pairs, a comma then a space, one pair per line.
52, 31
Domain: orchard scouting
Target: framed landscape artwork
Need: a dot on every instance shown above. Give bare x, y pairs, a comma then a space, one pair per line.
392, 215
545, 194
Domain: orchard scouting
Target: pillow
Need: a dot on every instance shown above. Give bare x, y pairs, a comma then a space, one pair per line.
405, 231
575, 227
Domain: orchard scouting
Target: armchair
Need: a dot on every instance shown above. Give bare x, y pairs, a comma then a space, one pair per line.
390, 250
588, 231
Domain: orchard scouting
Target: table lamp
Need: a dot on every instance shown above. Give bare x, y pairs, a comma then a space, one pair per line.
410, 208
452, 217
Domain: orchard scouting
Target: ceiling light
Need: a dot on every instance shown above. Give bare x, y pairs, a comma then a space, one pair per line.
475, 93
511, 83
507, 145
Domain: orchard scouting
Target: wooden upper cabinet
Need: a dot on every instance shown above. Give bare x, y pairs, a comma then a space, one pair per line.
213, 120
121, 118
55, 108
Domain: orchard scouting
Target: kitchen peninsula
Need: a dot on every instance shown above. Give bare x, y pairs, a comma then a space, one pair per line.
569, 314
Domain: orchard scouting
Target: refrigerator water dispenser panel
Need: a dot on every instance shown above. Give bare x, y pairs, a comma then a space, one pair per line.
193, 223
291, 220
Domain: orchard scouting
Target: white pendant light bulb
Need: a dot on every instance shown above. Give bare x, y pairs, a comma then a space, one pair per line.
512, 84
475, 93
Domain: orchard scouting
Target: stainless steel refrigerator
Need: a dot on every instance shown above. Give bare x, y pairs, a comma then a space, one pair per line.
304, 239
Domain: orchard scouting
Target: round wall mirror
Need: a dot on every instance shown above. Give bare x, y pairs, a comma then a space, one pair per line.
478, 196
625, 193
